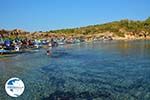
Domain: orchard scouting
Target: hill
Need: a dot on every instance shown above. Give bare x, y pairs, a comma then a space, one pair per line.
123, 29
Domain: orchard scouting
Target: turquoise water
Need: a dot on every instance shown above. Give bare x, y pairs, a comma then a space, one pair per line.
109, 70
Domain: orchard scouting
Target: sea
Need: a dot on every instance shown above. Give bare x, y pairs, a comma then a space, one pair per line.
99, 70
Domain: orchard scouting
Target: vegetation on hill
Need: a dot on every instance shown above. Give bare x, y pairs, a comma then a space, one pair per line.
119, 28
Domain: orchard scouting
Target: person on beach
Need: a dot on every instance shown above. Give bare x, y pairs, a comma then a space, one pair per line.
1, 49
17, 48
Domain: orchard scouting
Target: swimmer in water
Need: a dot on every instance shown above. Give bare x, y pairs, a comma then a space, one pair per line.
48, 52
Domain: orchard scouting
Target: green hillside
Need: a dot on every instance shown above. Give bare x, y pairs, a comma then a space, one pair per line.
119, 28
134, 29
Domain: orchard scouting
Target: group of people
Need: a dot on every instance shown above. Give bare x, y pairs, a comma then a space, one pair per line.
9, 45
15, 44
22, 44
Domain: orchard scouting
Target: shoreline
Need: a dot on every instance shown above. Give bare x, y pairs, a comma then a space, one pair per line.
130, 39
62, 41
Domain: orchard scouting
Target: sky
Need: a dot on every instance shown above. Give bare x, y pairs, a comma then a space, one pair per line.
45, 15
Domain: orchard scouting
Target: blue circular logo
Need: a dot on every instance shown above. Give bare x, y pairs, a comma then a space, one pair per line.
14, 87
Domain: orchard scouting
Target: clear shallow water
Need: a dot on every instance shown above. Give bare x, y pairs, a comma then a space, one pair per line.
116, 70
